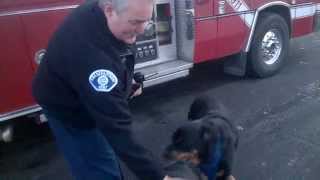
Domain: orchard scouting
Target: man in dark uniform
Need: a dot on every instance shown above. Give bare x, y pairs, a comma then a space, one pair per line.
83, 84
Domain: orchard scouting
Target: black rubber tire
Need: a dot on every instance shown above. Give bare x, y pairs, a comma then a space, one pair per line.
257, 66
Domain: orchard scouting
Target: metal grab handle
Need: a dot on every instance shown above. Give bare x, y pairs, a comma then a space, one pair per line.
190, 12
190, 26
39, 56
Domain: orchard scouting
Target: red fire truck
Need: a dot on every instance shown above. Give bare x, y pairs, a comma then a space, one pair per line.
253, 35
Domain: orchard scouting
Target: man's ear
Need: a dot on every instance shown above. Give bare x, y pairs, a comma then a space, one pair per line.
108, 10
177, 136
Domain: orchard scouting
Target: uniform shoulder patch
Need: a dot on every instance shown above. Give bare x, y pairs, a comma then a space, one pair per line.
103, 80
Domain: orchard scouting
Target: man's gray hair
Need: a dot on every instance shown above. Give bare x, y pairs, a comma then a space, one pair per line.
118, 5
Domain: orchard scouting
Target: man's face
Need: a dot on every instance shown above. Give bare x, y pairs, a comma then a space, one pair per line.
129, 23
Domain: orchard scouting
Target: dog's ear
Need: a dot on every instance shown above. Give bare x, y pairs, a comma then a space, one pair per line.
170, 153
178, 136
177, 139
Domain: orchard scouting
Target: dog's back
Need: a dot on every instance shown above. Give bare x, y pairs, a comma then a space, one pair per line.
208, 108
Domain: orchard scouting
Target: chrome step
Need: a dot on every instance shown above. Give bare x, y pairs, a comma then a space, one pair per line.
165, 71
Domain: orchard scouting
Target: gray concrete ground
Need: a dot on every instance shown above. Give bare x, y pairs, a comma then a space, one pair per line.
279, 118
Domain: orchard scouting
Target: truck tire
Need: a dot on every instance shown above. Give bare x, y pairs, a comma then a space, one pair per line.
270, 45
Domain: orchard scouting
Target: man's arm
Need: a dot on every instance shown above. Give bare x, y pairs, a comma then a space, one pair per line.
107, 105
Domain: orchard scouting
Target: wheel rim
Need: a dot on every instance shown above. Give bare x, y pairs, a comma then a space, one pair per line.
271, 46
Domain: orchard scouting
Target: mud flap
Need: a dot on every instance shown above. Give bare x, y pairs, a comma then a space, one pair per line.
236, 64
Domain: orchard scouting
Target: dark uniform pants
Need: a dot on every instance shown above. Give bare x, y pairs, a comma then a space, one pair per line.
88, 153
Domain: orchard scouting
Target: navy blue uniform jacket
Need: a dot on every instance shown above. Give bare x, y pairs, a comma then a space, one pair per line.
85, 79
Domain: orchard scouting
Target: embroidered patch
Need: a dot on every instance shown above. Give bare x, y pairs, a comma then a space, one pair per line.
103, 80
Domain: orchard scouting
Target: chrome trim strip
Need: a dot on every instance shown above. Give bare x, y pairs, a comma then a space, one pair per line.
10, 13
224, 15
302, 4
20, 112
292, 13
150, 63
251, 32
303, 11
248, 19
247, 48
166, 78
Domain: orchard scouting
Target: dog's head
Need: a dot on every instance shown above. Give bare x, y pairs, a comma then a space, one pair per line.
193, 141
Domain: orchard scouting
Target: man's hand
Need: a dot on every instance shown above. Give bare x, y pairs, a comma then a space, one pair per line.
221, 173
172, 178
231, 178
136, 89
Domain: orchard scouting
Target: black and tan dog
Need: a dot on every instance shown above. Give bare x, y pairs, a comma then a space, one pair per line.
206, 143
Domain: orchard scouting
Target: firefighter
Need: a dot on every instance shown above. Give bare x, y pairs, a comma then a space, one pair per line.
83, 85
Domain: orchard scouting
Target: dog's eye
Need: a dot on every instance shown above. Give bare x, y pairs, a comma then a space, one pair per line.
178, 140
177, 136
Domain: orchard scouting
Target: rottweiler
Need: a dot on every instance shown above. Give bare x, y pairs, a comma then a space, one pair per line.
206, 143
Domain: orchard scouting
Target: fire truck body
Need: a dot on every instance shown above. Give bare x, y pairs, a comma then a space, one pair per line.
254, 35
